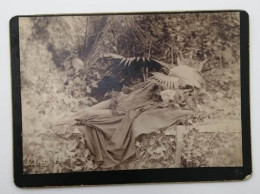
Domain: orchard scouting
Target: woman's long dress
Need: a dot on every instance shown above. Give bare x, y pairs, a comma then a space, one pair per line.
111, 139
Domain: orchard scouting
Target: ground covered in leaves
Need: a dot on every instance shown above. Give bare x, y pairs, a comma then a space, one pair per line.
61, 67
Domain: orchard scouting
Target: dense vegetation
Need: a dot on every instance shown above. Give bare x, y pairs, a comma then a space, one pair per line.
62, 65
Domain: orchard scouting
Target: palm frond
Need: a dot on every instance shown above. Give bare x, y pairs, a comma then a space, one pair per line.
163, 64
96, 36
180, 61
188, 76
151, 64
129, 61
166, 81
201, 65
112, 55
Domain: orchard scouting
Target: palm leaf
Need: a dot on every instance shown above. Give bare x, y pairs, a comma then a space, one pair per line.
122, 61
129, 61
165, 65
201, 65
141, 61
112, 55
133, 67
188, 76
166, 81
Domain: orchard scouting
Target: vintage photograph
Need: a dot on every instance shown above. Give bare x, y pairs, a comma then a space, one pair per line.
130, 91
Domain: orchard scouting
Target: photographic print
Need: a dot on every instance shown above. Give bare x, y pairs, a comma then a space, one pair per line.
145, 93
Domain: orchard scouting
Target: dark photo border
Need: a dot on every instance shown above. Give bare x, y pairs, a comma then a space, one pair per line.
131, 176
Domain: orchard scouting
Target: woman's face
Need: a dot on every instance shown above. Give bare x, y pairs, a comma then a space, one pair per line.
168, 95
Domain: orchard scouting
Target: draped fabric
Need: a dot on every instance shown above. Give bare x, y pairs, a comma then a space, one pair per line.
111, 139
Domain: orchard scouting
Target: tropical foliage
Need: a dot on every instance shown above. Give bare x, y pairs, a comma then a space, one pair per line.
69, 63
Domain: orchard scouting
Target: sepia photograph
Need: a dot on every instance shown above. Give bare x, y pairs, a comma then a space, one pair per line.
116, 92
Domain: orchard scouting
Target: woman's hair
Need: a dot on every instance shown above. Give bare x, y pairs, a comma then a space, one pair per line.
155, 93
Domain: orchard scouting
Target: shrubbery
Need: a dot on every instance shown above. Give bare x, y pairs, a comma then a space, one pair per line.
61, 67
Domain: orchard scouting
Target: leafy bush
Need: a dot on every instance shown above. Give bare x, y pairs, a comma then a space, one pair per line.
61, 70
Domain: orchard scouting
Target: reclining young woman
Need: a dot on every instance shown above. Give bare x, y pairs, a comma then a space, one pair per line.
110, 127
